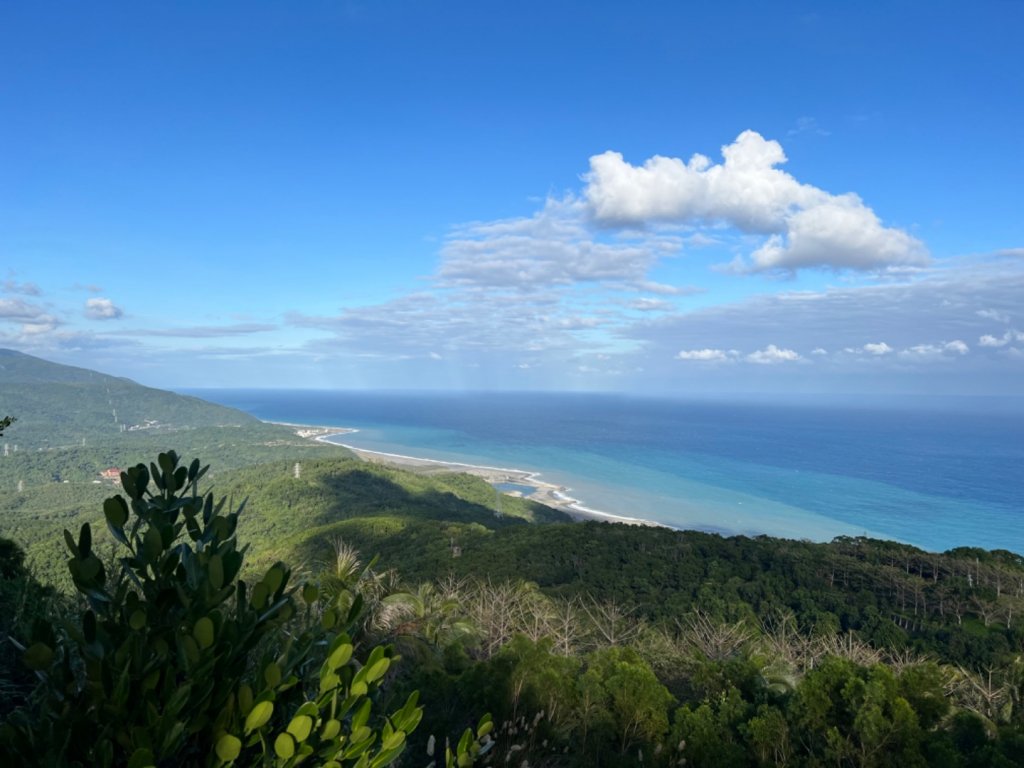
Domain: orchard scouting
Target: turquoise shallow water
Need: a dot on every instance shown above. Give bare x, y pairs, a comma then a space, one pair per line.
938, 477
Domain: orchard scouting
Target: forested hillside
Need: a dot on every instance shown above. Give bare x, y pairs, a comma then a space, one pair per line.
60, 405
72, 424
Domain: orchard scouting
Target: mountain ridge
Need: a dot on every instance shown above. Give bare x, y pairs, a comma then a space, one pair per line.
58, 404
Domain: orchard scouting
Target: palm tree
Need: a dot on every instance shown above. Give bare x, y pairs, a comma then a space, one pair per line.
353, 590
427, 614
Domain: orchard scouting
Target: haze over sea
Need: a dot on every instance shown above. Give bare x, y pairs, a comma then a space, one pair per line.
938, 474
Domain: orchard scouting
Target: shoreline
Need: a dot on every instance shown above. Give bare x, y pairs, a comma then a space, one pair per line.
549, 494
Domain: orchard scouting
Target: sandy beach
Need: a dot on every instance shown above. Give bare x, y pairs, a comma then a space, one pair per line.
549, 494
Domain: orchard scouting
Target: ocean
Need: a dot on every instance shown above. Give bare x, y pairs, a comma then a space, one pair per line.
938, 474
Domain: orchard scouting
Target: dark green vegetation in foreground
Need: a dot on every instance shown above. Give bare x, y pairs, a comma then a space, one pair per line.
170, 661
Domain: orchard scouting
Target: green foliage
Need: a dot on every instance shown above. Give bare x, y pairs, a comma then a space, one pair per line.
856, 715
5, 422
619, 681
173, 660
22, 601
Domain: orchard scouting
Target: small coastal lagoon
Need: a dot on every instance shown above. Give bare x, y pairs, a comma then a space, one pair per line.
519, 488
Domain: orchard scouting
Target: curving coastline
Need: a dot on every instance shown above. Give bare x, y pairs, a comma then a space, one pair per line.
549, 494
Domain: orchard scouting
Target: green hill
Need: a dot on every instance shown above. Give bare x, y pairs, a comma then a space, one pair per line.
73, 423
60, 405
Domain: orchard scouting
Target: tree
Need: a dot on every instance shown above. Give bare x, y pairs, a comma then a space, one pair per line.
636, 700
5, 422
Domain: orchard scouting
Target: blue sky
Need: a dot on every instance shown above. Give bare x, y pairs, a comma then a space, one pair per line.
656, 197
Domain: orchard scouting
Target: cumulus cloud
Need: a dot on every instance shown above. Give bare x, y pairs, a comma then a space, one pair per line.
881, 348
1010, 336
841, 233
702, 354
33, 319
102, 309
773, 354
806, 226
943, 350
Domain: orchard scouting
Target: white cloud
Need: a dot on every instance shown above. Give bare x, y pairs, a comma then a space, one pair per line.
34, 320
650, 305
841, 233
993, 314
931, 352
38, 329
1010, 336
819, 351
706, 355
773, 354
807, 226
667, 290
881, 348
19, 311
942, 304
102, 309
552, 247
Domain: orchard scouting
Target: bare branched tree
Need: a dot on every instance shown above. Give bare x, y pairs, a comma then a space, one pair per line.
612, 622
712, 639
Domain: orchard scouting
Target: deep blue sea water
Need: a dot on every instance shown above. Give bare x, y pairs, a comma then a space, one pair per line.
937, 474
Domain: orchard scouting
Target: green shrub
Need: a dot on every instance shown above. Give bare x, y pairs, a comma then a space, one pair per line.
173, 661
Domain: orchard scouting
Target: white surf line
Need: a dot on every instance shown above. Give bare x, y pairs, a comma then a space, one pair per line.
333, 430
530, 476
